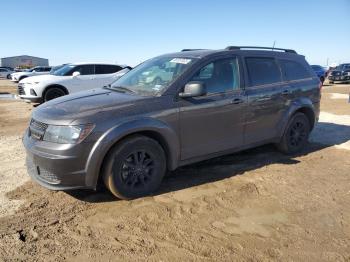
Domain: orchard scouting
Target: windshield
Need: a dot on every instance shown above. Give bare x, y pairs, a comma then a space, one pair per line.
63, 70
153, 76
55, 68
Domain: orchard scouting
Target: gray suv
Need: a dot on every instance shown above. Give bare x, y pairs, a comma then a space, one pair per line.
211, 103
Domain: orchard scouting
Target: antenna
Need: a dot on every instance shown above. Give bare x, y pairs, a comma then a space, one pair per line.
273, 45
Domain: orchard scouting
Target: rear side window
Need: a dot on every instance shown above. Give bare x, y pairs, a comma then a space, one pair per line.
107, 69
263, 71
293, 70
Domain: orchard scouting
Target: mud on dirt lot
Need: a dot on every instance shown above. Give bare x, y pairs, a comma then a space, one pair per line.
258, 205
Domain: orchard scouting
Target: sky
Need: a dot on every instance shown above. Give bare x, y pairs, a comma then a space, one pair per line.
131, 31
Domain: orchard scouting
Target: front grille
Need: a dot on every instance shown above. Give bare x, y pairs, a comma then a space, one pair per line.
21, 90
37, 129
336, 73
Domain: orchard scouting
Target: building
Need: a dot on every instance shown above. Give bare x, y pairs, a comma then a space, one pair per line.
24, 61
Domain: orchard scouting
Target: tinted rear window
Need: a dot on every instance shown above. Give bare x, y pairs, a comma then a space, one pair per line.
293, 70
263, 70
107, 69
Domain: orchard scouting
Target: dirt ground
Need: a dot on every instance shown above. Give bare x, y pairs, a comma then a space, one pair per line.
258, 205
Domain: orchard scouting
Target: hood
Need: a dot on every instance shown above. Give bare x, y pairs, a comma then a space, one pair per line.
20, 73
41, 78
83, 105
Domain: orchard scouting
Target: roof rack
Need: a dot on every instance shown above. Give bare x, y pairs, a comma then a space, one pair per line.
188, 49
260, 47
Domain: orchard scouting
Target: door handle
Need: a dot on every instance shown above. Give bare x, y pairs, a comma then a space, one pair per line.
264, 98
237, 101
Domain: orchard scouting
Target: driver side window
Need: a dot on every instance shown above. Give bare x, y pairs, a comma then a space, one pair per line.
219, 76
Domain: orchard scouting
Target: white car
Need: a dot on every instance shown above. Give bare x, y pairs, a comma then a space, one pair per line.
157, 75
38, 70
5, 73
69, 79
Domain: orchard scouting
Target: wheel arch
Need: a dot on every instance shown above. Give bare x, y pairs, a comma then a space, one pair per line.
304, 106
56, 86
154, 129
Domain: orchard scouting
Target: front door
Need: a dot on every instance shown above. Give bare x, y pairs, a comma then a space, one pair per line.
86, 80
214, 122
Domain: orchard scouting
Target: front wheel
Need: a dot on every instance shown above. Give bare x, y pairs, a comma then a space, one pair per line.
53, 93
8, 76
296, 134
134, 168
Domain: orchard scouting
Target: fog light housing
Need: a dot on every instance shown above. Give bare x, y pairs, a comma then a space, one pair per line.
32, 92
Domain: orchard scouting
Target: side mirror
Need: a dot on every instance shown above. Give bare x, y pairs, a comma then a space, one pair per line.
193, 89
76, 74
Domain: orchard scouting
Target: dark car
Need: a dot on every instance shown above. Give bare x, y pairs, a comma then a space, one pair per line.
215, 102
320, 72
340, 74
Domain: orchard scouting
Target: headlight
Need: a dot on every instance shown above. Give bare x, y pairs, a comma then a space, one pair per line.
67, 134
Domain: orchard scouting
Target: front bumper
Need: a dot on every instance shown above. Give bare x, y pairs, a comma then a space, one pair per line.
57, 166
339, 78
24, 93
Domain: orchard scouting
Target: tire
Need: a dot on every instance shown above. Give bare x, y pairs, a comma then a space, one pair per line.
52, 93
322, 79
134, 168
8, 76
296, 134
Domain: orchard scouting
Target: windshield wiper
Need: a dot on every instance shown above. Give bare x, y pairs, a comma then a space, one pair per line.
121, 88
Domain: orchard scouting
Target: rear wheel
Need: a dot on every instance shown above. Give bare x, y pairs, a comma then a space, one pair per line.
296, 134
52, 93
322, 79
134, 168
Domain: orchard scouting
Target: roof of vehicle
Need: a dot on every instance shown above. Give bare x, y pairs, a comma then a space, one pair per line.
92, 63
245, 50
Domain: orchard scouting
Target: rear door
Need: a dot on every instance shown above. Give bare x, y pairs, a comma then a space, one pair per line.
266, 99
214, 122
105, 74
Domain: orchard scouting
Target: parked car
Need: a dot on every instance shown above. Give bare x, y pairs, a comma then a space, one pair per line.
7, 67
340, 74
215, 102
320, 71
5, 73
68, 79
157, 75
38, 70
